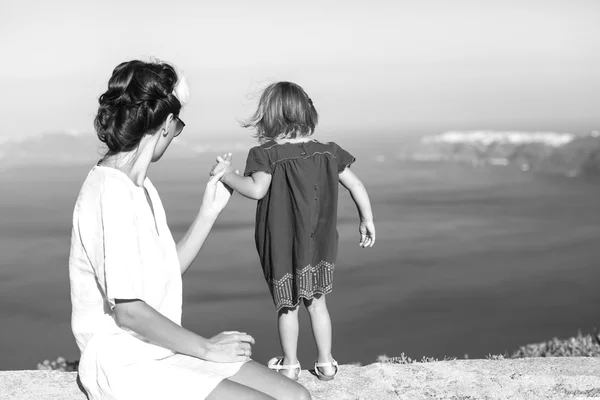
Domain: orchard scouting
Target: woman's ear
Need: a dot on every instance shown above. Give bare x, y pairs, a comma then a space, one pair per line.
165, 129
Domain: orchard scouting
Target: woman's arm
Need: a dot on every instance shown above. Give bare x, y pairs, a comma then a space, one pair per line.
144, 320
214, 201
363, 204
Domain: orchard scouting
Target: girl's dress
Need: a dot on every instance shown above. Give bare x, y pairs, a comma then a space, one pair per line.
119, 250
296, 222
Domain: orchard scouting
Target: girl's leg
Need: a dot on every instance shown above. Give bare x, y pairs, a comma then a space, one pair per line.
287, 324
320, 323
262, 379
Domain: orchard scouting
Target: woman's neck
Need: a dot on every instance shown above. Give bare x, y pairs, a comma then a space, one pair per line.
134, 163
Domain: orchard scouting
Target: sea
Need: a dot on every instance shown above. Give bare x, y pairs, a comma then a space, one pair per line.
469, 260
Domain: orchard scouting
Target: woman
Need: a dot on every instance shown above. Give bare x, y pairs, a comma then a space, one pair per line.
125, 269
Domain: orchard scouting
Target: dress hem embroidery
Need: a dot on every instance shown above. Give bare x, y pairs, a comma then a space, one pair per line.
304, 283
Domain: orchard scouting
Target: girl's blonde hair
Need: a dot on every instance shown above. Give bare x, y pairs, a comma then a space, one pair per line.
284, 111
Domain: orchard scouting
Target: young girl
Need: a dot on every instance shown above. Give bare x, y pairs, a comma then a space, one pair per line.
295, 180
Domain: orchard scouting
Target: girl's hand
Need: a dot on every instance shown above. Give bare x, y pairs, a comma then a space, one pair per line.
216, 195
367, 233
229, 347
222, 163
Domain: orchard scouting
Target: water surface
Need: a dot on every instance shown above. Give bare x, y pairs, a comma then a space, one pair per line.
467, 261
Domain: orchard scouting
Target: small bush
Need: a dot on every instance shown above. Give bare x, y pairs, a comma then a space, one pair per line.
404, 359
495, 357
60, 364
578, 346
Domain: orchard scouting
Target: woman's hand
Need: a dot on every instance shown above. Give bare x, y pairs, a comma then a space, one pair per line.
216, 195
367, 233
229, 347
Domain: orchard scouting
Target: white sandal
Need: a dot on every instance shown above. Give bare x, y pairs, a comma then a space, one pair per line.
276, 364
323, 377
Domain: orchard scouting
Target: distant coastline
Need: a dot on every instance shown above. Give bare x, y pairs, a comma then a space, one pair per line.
559, 153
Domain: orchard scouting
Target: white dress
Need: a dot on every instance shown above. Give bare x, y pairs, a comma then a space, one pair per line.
118, 252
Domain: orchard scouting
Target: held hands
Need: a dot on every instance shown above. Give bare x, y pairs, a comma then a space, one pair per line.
229, 346
216, 195
223, 164
367, 233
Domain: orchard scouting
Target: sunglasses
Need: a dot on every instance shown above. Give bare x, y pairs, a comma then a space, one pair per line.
180, 126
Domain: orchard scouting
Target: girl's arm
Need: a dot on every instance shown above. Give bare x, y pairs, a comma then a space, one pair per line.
214, 201
363, 204
254, 186
139, 317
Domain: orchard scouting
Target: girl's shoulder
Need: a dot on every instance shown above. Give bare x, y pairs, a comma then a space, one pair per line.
268, 145
331, 147
274, 151
274, 145
263, 151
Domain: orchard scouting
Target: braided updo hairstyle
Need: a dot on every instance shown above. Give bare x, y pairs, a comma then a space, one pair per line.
139, 98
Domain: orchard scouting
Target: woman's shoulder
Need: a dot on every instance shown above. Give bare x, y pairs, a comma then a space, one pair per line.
113, 180
104, 183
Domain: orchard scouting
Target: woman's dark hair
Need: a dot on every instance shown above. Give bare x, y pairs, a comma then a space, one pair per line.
139, 98
284, 110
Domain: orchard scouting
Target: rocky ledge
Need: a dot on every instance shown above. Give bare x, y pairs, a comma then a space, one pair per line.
529, 378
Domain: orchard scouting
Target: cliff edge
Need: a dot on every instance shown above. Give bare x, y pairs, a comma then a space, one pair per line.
529, 378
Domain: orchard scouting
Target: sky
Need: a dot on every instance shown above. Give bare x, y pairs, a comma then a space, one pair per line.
369, 66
